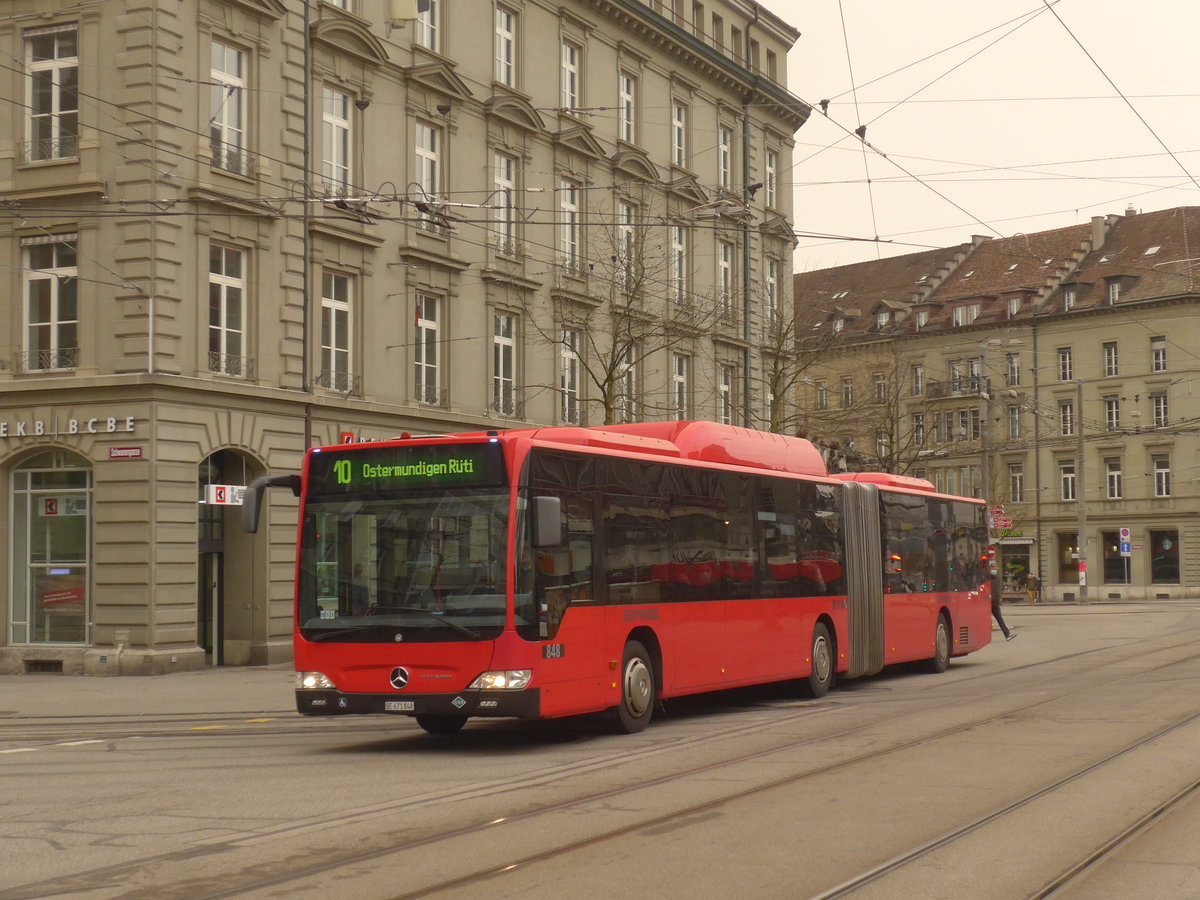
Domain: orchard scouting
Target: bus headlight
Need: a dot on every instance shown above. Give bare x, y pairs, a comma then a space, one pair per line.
313, 681
511, 680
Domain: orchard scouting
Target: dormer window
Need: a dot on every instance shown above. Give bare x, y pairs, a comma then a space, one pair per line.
1113, 290
966, 314
1014, 306
1068, 297
883, 318
922, 318
837, 325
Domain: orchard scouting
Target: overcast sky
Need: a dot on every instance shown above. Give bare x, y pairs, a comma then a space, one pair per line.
1015, 129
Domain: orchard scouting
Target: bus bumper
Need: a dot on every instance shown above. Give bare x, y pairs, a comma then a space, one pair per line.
524, 704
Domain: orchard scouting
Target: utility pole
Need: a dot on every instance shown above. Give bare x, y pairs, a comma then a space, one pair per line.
1080, 505
984, 397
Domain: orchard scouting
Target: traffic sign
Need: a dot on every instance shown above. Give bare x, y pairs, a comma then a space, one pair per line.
1000, 522
1126, 549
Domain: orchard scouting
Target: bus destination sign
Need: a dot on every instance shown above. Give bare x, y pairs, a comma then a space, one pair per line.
375, 468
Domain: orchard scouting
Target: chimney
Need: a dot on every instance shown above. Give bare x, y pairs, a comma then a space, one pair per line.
1099, 230
1130, 211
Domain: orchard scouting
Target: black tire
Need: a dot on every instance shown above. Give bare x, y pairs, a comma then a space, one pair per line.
639, 691
437, 724
940, 661
820, 677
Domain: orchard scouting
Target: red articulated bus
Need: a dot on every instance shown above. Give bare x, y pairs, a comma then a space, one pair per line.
556, 571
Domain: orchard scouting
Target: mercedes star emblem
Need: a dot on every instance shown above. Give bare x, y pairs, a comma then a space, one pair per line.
399, 678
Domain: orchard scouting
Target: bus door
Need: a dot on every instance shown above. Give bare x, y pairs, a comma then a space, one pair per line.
864, 577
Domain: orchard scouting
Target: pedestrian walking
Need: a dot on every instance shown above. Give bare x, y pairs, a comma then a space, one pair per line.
1031, 587
1009, 633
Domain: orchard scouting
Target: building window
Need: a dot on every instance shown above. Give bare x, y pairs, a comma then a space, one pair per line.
568, 228
427, 376
1066, 479
227, 119
1109, 349
627, 102
1066, 417
1012, 369
725, 275
921, 318
52, 60
504, 184
918, 429
1016, 482
772, 291
51, 534
1164, 557
504, 364
1014, 423
627, 385
770, 178
965, 315
1162, 414
506, 45
1112, 413
627, 267
335, 333
427, 147
1162, 476
1014, 306
679, 264
680, 391
1113, 291
568, 380
822, 391
1158, 354
1116, 566
1112, 479
847, 392
724, 157
1066, 369
226, 311
881, 388
570, 77
725, 398
335, 142
679, 147
918, 380
428, 16
51, 303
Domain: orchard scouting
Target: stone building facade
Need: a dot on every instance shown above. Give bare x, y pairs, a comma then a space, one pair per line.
237, 228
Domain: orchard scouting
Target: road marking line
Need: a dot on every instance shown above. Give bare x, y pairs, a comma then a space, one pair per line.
261, 720
20, 750
208, 727
78, 743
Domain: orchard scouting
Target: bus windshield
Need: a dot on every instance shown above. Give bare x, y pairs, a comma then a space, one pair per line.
404, 542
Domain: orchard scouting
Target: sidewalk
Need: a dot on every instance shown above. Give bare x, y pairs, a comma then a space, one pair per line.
249, 690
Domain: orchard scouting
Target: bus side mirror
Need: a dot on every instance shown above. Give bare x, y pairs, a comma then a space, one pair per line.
252, 501
547, 521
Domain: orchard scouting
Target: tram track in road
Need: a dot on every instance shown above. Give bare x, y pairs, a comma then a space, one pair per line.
297, 870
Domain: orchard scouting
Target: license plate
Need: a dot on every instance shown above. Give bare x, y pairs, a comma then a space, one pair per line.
399, 705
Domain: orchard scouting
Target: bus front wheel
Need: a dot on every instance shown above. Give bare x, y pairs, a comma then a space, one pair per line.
820, 676
940, 661
638, 689
435, 724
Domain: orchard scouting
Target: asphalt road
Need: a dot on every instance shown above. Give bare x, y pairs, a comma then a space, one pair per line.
1060, 764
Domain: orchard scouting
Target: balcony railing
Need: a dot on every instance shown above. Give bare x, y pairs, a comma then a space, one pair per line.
233, 366
431, 395
339, 382
50, 148
507, 406
230, 158
47, 360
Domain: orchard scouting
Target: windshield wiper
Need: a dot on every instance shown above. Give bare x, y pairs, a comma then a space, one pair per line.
437, 617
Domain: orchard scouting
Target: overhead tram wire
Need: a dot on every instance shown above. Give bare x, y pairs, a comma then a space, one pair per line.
861, 131
1113, 84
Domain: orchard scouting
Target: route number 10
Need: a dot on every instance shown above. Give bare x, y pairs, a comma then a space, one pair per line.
341, 468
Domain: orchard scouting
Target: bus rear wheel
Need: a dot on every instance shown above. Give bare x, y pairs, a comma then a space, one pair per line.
820, 676
940, 661
435, 724
638, 689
